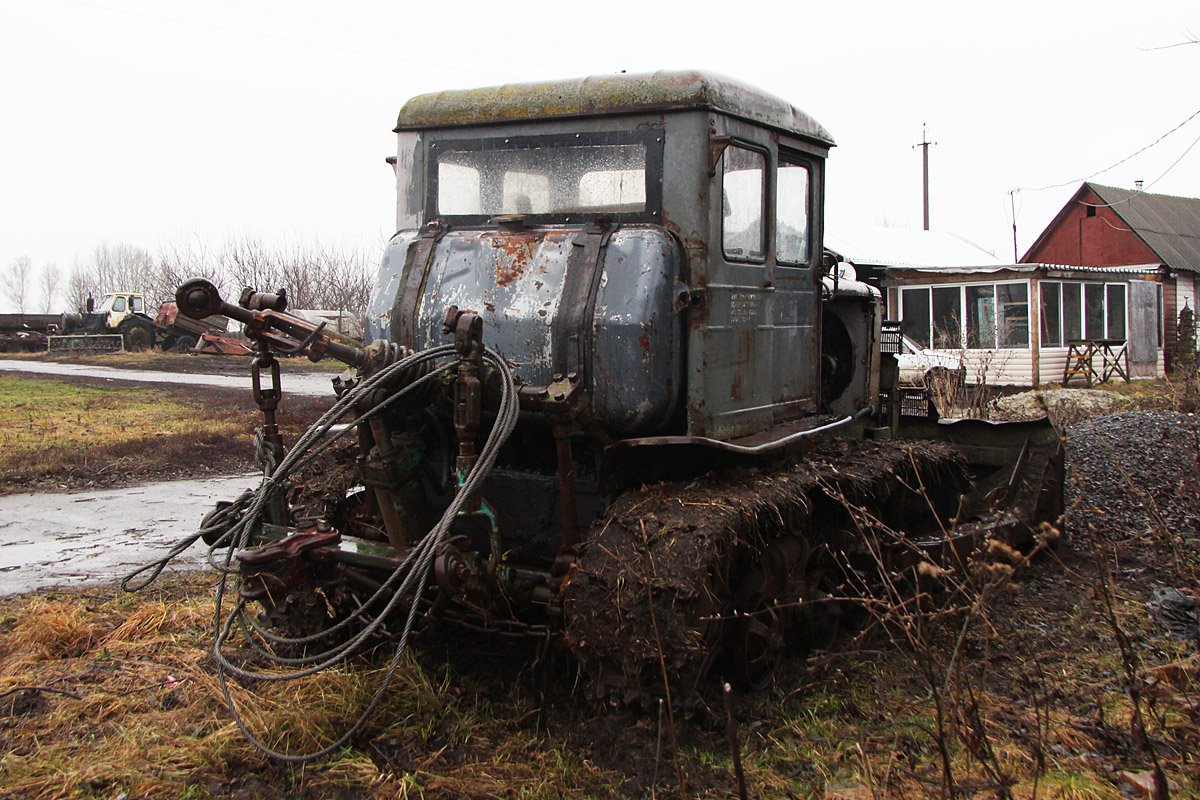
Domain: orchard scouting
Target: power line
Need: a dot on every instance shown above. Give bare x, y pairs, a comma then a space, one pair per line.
1122, 161
1151, 183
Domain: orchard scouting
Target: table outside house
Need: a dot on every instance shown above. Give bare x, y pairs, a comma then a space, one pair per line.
1081, 360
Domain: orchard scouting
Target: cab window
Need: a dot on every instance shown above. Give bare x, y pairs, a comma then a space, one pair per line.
743, 190
791, 213
553, 179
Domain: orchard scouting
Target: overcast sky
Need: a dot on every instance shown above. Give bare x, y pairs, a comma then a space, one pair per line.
152, 121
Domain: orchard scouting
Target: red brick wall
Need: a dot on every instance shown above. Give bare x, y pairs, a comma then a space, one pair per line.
1083, 241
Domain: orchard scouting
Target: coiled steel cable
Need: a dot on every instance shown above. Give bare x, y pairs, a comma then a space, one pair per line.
415, 568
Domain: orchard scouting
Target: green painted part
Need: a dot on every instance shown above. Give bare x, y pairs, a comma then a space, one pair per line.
349, 549
604, 95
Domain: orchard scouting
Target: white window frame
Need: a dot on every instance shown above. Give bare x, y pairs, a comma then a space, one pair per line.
962, 308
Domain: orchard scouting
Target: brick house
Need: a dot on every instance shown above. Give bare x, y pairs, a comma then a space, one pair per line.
1109, 227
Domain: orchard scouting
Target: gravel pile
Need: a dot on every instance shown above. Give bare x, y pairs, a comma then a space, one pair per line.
1134, 472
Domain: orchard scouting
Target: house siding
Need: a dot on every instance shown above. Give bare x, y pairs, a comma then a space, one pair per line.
999, 367
1185, 292
1054, 363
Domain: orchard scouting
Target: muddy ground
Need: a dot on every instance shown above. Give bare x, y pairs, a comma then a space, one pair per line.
1049, 678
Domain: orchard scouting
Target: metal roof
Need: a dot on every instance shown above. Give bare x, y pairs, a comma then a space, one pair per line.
904, 247
1125, 269
1170, 226
607, 94
1032, 267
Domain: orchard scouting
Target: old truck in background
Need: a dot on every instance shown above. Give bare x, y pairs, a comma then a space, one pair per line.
121, 323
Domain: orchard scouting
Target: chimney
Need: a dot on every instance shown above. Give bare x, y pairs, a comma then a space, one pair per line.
1137, 185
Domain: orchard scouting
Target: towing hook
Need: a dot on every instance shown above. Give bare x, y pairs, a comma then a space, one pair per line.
198, 298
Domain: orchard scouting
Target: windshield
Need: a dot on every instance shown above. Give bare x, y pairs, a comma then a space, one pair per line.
559, 178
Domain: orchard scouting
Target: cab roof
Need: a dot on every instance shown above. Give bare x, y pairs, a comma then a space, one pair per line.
603, 95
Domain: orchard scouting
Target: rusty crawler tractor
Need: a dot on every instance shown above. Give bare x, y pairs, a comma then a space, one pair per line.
612, 399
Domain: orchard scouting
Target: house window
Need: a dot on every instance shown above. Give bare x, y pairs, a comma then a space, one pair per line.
915, 320
742, 236
977, 316
981, 316
1072, 296
1093, 311
1072, 312
1012, 315
1115, 311
947, 317
1051, 314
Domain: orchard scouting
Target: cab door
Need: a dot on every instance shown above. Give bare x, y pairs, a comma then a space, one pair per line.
754, 354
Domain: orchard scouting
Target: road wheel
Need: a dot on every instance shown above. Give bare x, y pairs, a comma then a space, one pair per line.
184, 344
138, 337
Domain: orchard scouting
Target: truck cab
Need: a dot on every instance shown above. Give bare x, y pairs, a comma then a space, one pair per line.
116, 307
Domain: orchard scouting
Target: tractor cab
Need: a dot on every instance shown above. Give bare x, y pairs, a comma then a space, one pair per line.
656, 236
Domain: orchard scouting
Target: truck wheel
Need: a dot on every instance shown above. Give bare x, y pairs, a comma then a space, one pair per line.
184, 344
138, 338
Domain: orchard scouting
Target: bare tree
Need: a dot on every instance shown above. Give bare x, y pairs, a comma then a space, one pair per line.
51, 278
112, 267
16, 281
177, 262
315, 275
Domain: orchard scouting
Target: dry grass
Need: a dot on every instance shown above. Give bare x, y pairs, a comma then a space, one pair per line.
128, 703
104, 694
175, 362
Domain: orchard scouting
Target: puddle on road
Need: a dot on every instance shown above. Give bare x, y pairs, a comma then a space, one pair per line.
101, 536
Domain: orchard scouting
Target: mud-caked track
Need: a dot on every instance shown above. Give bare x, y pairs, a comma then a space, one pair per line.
686, 580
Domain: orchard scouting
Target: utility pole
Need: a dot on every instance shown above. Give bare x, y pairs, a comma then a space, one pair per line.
924, 145
1012, 205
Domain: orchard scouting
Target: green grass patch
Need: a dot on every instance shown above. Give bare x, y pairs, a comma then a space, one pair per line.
49, 416
52, 428
76, 433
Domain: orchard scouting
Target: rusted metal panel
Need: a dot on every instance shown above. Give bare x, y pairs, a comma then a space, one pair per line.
516, 281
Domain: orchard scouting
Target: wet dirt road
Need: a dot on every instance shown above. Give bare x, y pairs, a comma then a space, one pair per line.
308, 384
101, 536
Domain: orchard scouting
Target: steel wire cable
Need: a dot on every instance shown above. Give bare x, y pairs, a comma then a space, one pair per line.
416, 567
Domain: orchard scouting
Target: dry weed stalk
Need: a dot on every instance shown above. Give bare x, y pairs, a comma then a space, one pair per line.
932, 610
